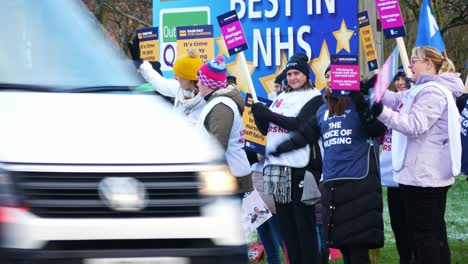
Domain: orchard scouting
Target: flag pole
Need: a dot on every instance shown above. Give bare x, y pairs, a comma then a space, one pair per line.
466, 84
249, 77
403, 56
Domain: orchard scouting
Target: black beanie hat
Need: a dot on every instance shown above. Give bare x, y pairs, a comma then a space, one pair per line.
298, 61
279, 79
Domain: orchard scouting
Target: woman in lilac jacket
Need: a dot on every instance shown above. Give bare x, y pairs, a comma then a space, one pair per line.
422, 142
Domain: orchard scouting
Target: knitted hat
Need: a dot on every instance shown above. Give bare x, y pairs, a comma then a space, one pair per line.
187, 65
213, 73
298, 61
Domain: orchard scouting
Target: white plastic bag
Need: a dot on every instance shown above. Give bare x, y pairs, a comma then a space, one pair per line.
254, 211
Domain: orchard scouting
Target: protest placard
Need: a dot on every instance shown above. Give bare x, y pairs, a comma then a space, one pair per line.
254, 140
344, 72
199, 37
149, 46
367, 41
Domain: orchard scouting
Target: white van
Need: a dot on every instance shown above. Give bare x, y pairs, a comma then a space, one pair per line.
91, 171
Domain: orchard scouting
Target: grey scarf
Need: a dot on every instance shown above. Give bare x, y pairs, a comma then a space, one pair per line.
277, 181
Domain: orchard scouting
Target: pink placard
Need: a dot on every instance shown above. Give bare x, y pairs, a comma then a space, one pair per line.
389, 13
233, 35
345, 77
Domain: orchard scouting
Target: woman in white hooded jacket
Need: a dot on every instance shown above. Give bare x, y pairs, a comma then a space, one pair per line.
183, 88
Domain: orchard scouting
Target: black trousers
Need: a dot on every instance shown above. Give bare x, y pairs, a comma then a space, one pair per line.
425, 211
297, 224
355, 255
396, 210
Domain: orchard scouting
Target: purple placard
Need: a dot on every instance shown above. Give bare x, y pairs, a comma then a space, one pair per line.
390, 18
344, 72
233, 34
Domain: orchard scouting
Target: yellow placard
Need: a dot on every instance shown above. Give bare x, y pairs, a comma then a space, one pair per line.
368, 42
204, 45
149, 50
254, 140
365, 32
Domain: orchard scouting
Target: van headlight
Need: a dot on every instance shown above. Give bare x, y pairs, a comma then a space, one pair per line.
218, 181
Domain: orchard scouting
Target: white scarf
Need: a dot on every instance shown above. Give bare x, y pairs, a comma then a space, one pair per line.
399, 140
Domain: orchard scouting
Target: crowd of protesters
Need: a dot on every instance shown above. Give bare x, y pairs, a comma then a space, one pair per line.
330, 152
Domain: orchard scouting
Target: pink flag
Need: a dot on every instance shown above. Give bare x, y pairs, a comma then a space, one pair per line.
386, 75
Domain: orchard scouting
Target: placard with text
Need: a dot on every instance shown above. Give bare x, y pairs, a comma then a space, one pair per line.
390, 18
254, 140
232, 32
367, 41
200, 37
344, 72
149, 45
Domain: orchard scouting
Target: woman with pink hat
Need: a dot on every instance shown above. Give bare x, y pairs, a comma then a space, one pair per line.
222, 117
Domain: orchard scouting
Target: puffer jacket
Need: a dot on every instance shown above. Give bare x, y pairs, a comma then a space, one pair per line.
426, 126
353, 210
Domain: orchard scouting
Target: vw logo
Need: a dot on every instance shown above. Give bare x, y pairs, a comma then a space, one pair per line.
123, 193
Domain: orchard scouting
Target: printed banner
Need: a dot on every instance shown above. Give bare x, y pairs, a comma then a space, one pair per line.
390, 18
367, 41
254, 140
168, 20
200, 37
344, 72
149, 44
274, 31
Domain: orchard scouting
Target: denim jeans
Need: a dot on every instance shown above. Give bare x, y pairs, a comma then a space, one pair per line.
271, 239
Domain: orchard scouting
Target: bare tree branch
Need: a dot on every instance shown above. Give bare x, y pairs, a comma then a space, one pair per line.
117, 10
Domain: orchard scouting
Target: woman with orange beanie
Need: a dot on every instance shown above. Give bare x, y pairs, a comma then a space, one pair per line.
183, 88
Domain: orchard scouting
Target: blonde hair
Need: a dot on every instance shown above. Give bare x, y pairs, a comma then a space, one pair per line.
441, 63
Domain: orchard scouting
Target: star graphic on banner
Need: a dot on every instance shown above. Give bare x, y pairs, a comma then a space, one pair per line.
319, 65
235, 69
268, 82
222, 49
343, 36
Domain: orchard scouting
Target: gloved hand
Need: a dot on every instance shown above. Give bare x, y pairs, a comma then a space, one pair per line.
286, 146
377, 109
366, 84
260, 111
156, 66
134, 49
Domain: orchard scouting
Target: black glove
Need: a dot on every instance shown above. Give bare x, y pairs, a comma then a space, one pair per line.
286, 146
366, 84
260, 111
134, 49
156, 66
377, 109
